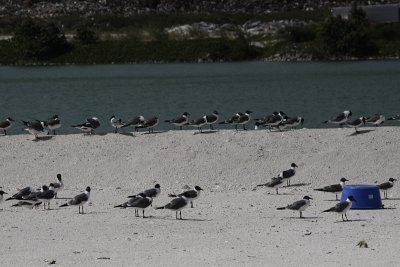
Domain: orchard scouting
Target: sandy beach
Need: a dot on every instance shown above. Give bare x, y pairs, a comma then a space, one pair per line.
233, 223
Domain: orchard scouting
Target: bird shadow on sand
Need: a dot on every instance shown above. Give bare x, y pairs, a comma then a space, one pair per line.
96, 212
155, 132
332, 200
388, 208
388, 199
361, 132
296, 185
206, 132
282, 194
43, 138
349, 221
302, 218
128, 134
170, 218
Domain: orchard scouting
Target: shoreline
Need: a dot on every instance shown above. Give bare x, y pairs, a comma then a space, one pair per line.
232, 223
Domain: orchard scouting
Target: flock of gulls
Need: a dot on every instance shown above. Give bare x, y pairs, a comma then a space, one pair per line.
277, 120
301, 205
31, 198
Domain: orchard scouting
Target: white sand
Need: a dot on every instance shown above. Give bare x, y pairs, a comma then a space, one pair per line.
231, 224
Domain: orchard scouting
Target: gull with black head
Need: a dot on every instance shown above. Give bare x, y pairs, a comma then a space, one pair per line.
335, 188
5, 125
300, 205
385, 187
79, 200
342, 207
190, 195
54, 123
180, 121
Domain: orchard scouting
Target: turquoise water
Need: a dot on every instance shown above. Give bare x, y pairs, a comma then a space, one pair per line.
313, 90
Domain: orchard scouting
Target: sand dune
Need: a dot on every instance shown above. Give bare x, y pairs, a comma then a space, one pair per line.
234, 223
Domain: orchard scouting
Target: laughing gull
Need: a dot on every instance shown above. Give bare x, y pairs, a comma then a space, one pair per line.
88, 126
32, 197
300, 205
232, 120
36, 128
335, 188
244, 119
291, 122
286, 175
375, 120
387, 187
212, 118
356, 123
342, 207
272, 121
152, 192
1, 195
116, 123
275, 182
24, 192
46, 196
340, 118
180, 121
58, 186
134, 122
5, 125
189, 195
177, 204
394, 118
79, 200
54, 123
199, 123
141, 202
150, 124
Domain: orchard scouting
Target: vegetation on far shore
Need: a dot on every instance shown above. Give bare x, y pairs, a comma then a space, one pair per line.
111, 39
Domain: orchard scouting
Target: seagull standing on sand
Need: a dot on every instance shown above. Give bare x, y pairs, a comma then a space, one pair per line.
375, 120
116, 123
356, 123
292, 122
286, 175
387, 187
335, 188
180, 121
24, 192
54, 123
275, 182
212, 118
244, 119
150, 124
300, 205
58, 186
200, 122
394, 118
233, 120
340, 118
79, 200
342, 207
141, 202
135, 122
152, 192
189, 195
272, 121
88, 126
5, 125
177, 204
45, 194
36, 128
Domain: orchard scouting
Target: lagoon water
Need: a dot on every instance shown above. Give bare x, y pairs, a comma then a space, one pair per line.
313, 90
